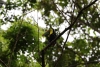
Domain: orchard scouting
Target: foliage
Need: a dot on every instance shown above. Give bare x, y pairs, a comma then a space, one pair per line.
77, 21
23, 34
22, 37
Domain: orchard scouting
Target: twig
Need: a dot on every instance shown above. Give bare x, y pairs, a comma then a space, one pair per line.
63, 14
85, 63
38, 31
62, 48
17, 38
4, 63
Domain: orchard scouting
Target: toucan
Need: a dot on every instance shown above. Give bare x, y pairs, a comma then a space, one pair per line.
50, 34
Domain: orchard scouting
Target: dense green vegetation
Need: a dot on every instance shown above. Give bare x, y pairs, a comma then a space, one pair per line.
73, 25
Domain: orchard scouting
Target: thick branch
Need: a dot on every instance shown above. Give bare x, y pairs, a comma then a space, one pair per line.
43, 61
79, 14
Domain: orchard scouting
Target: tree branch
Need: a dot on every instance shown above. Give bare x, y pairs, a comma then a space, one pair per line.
62, 48
68, 28
4, 63
85, 63
79, 14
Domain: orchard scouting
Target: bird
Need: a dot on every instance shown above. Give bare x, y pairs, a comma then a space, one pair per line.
50, 35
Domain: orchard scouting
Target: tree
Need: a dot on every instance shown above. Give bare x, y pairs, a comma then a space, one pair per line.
81, 22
